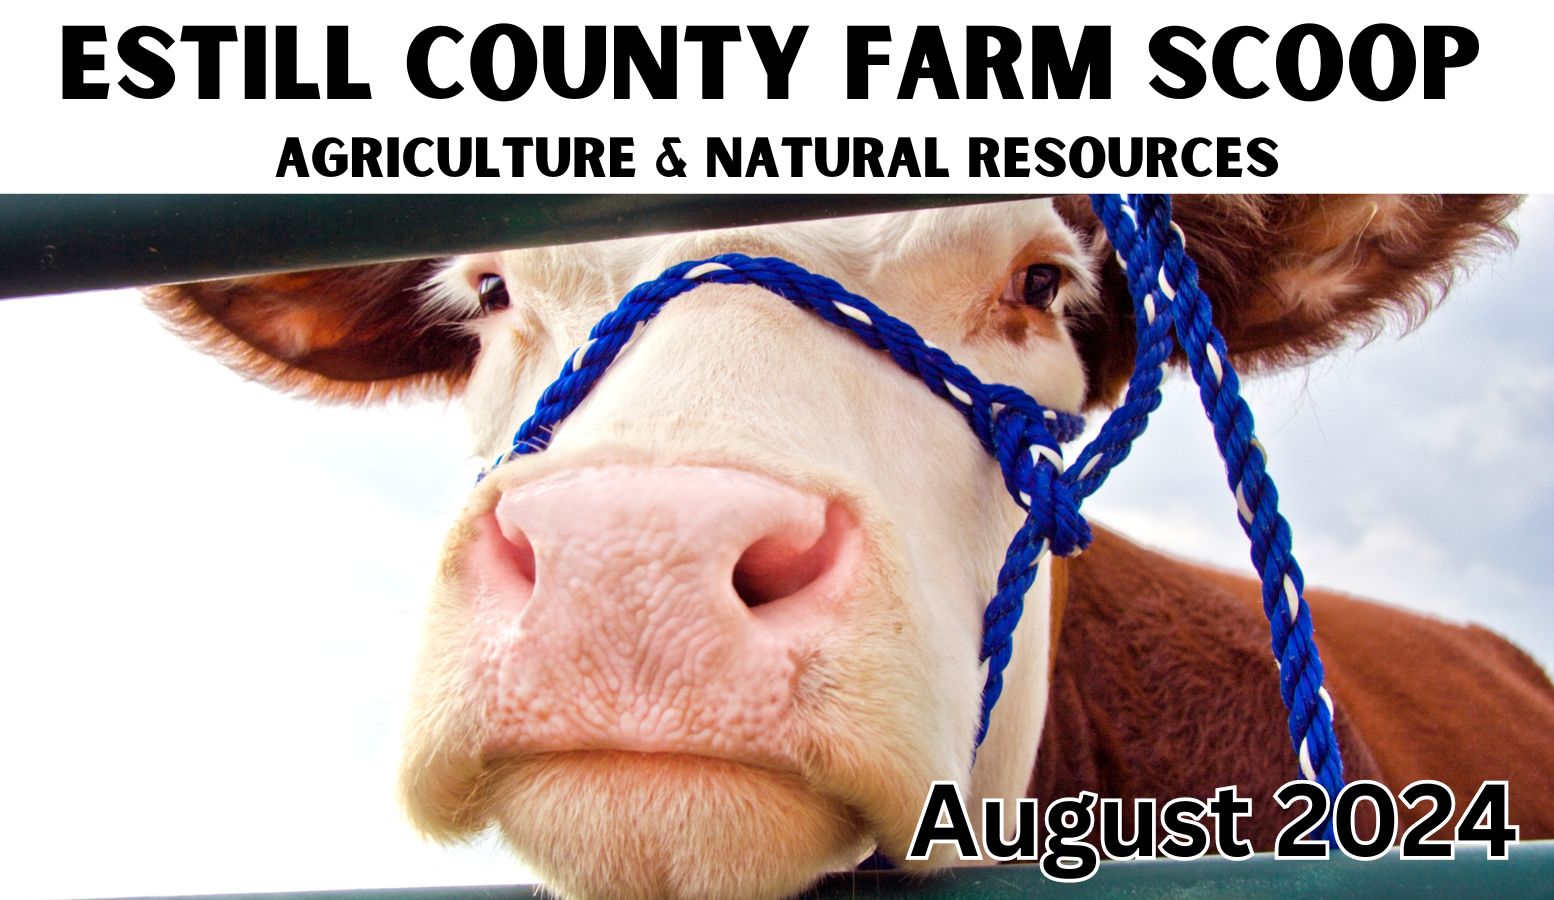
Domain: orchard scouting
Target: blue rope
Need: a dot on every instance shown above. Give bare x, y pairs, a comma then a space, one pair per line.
1025, 437
1154, 255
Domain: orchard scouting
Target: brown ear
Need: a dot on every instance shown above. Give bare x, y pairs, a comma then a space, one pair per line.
351, 334
1293, 276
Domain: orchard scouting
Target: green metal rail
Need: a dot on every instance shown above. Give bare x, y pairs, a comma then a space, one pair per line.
51, 244
1529, 873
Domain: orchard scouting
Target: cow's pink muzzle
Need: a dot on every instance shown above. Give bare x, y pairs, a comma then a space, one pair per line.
655, 609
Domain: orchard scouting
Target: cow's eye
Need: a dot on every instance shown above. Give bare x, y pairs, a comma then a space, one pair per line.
1033, 286
493, 293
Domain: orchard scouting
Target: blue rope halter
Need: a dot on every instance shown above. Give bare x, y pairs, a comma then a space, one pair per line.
1170, 309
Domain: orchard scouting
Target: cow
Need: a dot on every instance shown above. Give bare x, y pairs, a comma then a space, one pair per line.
722, 635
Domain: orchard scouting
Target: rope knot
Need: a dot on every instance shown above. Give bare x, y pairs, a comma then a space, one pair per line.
1032, 465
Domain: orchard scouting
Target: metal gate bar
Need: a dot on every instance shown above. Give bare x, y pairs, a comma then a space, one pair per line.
1528, 873
51, 244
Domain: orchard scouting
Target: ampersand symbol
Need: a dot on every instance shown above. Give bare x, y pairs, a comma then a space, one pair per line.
670, 165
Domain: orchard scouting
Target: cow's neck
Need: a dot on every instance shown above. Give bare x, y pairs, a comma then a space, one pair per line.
1003, 763
1056, 606
1153, 648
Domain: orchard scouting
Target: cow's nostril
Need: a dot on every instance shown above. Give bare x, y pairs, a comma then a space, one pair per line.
781, 565
519, 552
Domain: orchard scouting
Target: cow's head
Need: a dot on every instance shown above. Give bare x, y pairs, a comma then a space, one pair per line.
721, 636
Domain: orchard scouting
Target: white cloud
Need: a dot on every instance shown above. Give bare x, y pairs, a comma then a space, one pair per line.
212, 597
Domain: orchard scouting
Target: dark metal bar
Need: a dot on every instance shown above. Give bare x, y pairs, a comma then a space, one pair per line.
52, 244
1528, 873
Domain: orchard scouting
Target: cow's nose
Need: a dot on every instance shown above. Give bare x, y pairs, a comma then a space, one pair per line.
655, 607
726, 530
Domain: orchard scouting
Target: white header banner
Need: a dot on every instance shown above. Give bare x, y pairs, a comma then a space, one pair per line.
798, 96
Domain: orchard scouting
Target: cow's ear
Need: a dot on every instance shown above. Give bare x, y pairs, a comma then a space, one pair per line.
353, 334
1293, 276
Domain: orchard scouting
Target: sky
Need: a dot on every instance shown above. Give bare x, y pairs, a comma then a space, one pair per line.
212, 592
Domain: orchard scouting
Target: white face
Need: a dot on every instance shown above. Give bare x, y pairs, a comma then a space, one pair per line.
722, 635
